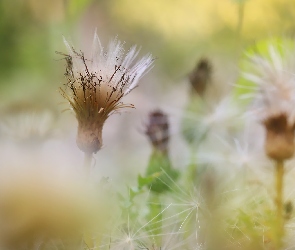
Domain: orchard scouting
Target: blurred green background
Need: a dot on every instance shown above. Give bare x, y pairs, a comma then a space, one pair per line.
177, 32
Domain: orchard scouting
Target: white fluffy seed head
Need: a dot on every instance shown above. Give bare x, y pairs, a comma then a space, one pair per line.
113, 66
98, 84
275, 83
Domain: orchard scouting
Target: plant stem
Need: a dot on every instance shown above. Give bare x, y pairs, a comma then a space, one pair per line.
279, 201
87, 161
155, 217
240, 21
241, 9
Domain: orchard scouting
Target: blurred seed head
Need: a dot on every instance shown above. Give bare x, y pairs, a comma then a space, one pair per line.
274, 83
202, 119
274, 99
200, 76
28, 126
157, 130
43, 204
97, 85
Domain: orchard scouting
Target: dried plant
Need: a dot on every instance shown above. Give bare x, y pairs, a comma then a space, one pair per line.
274, 101
97, 86
201, 76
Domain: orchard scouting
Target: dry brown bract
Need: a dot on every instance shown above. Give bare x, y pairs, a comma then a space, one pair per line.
279, 144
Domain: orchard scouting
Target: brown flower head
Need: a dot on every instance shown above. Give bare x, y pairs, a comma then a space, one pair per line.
200, 76
97, 85
279, 143
274, 99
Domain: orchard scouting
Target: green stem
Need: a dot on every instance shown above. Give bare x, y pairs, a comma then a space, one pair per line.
279, 202
155, 217
240, 21
240, 18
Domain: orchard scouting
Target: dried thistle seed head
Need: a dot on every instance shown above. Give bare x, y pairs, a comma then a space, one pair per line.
96, 86
157, 130
200, 76
274, 97
279, 144
274, 89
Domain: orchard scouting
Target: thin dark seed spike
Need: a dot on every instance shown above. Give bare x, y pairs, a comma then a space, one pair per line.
133, 77
81, 56
84, 92
106, 100
125, 83
94, 92
121, 79
120, 97
113, 91
99, 91
73, 89
90, 81
84, 62
98, 79
116, 70
69, 60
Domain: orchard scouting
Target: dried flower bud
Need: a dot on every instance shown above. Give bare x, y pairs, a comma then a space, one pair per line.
97, 86
89, 136
279, 144
200, 76
157, 130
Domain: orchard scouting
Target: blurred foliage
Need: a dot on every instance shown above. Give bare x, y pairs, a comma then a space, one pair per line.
24, 37
31, 31
180, 31
203, 18
77, 6
177, 32
159, 163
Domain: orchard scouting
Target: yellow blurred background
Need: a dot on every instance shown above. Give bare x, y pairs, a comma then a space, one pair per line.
175, 31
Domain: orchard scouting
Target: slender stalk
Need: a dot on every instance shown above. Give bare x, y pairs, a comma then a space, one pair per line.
241, 9
192, 168
87, 161
279, 201
155, 217
240, 21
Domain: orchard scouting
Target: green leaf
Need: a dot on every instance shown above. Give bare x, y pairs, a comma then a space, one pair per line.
163, 174
133, 192
145, 181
